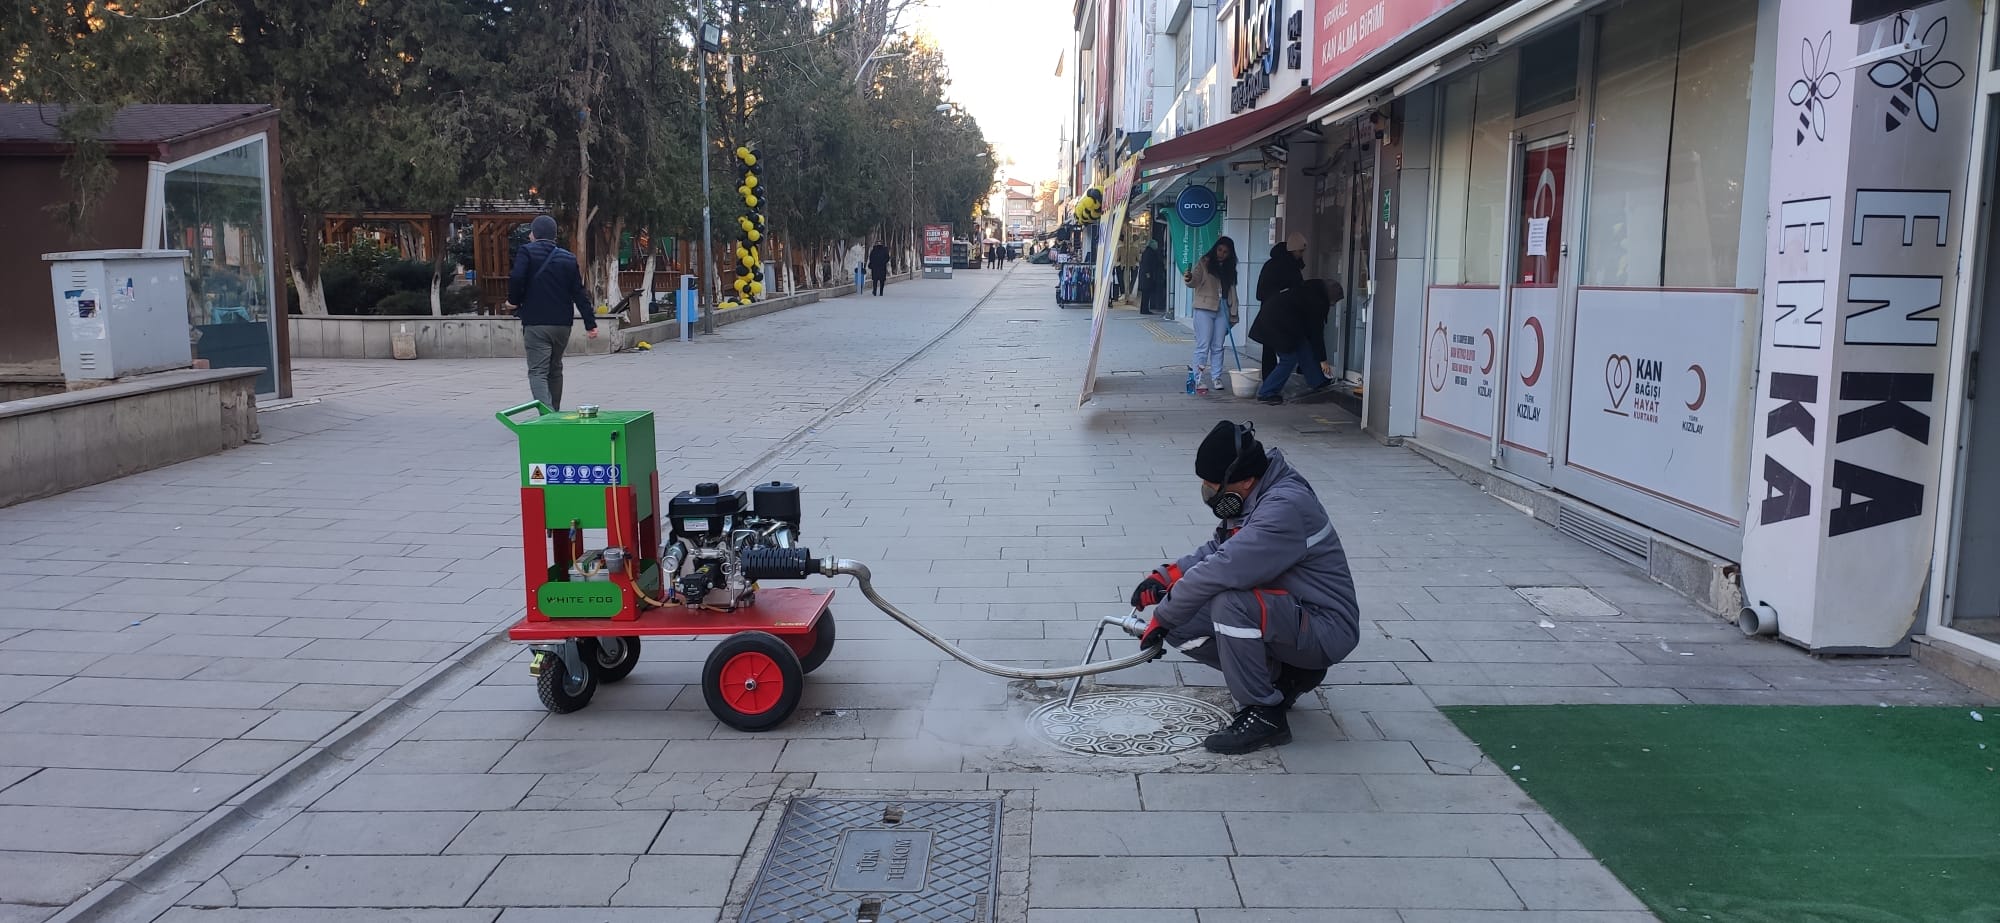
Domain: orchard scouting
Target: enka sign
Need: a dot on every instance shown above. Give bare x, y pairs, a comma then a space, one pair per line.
1196, 206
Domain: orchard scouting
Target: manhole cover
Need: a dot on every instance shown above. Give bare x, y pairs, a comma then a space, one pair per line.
880, 860
1128, 723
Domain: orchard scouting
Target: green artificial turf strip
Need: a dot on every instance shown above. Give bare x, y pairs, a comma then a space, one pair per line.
1750, 813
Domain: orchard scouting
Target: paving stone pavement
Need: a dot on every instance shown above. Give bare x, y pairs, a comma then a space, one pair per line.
222, 618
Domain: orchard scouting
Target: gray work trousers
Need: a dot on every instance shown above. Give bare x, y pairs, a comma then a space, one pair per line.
1252, 632
545, 344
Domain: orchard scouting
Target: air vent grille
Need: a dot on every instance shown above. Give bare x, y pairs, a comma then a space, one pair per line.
1602, 534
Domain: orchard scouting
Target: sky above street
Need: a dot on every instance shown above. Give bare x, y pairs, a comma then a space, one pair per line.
1003, 64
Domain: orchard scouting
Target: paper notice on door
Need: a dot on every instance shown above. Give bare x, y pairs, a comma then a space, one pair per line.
1538, 237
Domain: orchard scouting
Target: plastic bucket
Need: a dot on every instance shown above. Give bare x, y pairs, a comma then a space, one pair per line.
1244, 382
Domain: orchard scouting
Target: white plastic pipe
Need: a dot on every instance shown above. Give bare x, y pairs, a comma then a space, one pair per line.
1756, 620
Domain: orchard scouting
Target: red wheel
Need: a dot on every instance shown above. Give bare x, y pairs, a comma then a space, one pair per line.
814, 647
752, 681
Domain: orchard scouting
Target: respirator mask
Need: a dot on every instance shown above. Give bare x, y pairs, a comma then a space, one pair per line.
1223, 502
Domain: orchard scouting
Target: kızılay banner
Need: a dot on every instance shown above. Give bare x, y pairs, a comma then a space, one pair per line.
1346, 32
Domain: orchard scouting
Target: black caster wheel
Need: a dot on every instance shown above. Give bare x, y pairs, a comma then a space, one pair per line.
561, 692
752, 681
814, 648
611, 658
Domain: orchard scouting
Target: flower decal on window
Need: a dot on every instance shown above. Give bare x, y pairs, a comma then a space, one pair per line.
1916, 77
1815, 88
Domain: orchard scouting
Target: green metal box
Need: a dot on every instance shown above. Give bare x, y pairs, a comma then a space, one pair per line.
573, 456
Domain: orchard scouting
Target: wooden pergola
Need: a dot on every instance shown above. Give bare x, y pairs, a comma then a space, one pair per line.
418, 235
490, 230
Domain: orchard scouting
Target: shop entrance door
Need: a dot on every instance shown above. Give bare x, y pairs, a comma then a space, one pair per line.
1972, 596
1359, 262
1534, 297
1339, 248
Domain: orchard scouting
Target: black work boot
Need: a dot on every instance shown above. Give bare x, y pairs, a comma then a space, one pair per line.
1294, 682
1255, 727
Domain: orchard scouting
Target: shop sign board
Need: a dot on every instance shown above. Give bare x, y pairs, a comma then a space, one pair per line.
1263, 41
1110, 229
1657, 394
1196, 206
1461, 358
1867, 184
1348, 32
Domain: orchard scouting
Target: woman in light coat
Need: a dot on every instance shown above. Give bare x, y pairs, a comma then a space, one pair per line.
1213, 280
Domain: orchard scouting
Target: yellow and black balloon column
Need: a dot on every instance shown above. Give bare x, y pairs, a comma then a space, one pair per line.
1089, 207
750, 242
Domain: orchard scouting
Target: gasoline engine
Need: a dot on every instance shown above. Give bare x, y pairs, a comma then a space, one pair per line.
727, 541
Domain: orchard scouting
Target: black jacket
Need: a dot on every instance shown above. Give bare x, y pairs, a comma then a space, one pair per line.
1283, 272
1316, 298
1281, 322
548, 287
878, 261
1153, 267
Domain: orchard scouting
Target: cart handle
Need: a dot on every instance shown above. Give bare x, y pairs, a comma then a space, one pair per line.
506, 416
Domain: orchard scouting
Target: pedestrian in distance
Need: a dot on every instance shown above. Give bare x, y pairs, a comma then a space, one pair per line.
546, 292
1213, 281
1269, 600
878, 266
1153, 278
857, 261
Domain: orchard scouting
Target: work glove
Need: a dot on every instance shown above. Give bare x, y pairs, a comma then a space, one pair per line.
1156, 634
1154, 588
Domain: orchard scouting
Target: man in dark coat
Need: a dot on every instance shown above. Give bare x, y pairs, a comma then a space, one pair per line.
1153, 278
546, 292
1285, 324
1282, 273
878, 266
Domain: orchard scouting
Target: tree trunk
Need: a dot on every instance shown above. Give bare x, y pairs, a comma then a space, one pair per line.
646, 285
312, 295
440, 261
612, 294
305, 258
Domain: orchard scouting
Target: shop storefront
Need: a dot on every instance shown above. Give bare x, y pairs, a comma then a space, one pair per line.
1342, 185
1594, 228
1963, 607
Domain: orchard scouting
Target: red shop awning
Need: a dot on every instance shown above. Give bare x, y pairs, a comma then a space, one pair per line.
1225, 138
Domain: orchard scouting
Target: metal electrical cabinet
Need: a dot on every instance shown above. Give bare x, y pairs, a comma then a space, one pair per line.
120, 312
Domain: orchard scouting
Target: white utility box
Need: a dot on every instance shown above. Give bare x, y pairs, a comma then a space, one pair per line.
120, 312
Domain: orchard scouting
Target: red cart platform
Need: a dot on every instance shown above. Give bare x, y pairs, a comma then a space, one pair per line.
752, 680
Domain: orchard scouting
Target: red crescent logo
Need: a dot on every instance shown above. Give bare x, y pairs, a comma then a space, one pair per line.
1535, 324
1488, 369
1701, 398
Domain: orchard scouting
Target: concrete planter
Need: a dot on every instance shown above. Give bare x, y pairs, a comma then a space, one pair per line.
462, 336
470, 336
60, 442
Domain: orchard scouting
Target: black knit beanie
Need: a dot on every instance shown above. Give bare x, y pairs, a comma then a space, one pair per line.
542, 228
1218, 452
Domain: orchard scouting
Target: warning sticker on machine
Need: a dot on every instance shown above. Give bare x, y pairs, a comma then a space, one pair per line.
542, 474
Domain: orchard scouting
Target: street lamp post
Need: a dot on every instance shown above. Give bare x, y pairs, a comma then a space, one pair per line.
708, 40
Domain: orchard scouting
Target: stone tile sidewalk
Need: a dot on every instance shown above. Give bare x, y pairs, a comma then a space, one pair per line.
988, 505
175, 636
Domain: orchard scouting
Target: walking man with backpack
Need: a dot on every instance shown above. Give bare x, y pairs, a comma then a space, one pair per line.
546, 292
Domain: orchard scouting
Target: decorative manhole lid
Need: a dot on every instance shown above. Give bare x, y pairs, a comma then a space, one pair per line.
1128, 723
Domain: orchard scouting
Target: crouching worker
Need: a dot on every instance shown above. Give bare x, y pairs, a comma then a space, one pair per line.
1269, 601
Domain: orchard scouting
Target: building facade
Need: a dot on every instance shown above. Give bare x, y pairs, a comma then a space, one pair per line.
1688, 277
